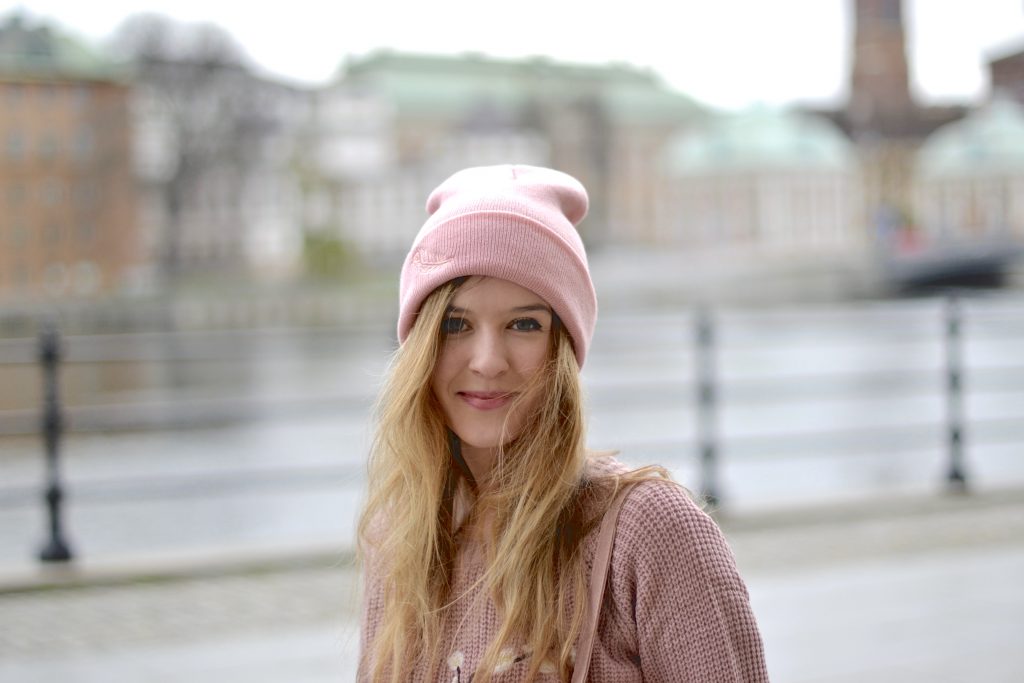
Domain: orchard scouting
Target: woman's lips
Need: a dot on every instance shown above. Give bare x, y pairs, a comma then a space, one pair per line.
486, 400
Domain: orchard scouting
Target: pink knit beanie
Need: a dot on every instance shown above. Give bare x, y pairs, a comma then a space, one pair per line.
516, 223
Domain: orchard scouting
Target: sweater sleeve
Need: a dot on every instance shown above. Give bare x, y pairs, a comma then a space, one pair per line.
691, 613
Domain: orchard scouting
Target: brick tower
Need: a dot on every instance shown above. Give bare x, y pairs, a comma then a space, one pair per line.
880, 81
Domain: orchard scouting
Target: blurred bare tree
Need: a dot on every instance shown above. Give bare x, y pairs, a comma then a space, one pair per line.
200, 123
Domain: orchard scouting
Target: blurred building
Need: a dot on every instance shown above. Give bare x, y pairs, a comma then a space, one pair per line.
766, 180
939, 190
395, 125
970, 178
216, 161
883, 119
67, 192
203, 166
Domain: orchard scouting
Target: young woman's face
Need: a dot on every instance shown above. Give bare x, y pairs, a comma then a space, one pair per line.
496, 336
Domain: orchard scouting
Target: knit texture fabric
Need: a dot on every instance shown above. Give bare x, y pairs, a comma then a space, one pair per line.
675, 609
516, 223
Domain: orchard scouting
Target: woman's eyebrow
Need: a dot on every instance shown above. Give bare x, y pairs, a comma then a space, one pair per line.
531, 308
459, 310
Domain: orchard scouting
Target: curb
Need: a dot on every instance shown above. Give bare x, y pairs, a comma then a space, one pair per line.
871, 509
765, 538
172, 567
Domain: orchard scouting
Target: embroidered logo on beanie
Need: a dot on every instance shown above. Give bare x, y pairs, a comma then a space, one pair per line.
426, 261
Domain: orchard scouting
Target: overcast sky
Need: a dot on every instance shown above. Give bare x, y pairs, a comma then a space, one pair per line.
728, 53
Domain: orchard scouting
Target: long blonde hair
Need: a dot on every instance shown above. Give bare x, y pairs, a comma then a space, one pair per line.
534, 508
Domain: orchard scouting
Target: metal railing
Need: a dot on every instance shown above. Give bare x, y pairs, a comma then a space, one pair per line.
711, 393
708, 389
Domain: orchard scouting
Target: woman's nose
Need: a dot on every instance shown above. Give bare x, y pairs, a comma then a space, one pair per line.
490, 356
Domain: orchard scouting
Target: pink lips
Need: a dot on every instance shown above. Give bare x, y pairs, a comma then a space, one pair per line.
486, 400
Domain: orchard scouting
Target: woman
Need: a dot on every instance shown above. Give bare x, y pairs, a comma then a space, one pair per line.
480, 529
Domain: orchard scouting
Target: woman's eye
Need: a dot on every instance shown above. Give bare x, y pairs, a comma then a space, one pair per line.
453, 325
526, 325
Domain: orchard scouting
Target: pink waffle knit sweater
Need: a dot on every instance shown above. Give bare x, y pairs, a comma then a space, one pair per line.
675, 610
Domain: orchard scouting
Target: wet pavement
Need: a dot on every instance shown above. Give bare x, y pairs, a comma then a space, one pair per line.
909, 589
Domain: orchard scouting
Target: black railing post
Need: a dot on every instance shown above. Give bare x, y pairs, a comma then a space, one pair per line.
56, 548
956, 477
706, 406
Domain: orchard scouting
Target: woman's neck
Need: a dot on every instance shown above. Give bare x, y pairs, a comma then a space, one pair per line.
480, 462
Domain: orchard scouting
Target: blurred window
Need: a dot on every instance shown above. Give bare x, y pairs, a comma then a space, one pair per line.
47, 95
81, 97
15, 145
86, 232
15, 194
53, 233
55, 278
85, 277
52, 192
18, 236
890, 11
86, 195
20, 274
48, 147
14, 93
84, 145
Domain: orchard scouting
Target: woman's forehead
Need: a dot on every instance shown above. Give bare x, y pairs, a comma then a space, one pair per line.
492, 293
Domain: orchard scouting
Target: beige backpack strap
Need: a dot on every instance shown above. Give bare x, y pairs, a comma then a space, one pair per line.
598, 579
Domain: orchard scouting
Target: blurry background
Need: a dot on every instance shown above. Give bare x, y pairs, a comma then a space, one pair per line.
806, 231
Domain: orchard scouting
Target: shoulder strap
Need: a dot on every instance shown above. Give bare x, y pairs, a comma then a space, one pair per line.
598, 579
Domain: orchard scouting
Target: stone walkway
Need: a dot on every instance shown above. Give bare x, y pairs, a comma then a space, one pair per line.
913, 590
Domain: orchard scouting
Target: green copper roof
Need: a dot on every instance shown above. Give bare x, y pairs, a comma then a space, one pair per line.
455, 84
990, 139
39, 51
646, 102
760, 137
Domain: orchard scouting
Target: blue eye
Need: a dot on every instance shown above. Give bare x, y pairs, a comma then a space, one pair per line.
526, 325
453, 325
